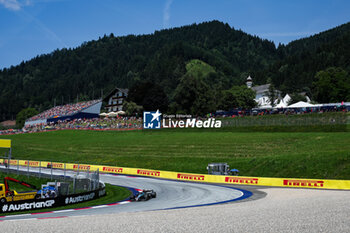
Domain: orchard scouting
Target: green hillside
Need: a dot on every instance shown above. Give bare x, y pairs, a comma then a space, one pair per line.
163, 58
110, 61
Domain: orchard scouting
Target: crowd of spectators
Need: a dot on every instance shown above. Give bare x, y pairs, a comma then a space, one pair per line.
281, 111
95, 124
63, 110
118, 123
10, 131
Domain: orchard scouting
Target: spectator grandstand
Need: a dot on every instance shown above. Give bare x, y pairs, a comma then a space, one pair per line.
63, 110
87, 109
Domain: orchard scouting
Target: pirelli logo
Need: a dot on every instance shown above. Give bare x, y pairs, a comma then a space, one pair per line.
57, 165
112, 169
81, 167
241, 180
32, 163
189, 176
148, 172
303, 183
12, 162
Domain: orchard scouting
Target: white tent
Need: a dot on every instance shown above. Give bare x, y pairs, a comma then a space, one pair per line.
112, 114
281, 105
284, 102
103, 114
264, 102
286, 99
121, 113
302, 104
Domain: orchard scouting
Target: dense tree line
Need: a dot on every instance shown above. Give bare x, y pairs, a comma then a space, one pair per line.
157, 64
300, 60
23, 115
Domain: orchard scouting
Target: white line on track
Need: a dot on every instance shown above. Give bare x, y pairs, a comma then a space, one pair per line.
63, 211
99, 206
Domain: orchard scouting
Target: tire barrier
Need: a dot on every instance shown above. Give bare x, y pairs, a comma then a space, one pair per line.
184, 176
34, 204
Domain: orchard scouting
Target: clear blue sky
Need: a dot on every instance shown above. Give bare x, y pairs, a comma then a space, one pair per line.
32, 27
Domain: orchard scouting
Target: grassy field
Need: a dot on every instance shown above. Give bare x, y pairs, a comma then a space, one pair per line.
114, 193
279, 154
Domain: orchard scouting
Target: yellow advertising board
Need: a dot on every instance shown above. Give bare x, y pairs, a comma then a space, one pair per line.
5, 143
183, 176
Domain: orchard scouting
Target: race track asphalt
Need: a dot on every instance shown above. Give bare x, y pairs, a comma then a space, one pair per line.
170, 195
277, 210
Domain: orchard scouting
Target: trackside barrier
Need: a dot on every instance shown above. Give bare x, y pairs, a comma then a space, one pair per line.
35, 204
262, 181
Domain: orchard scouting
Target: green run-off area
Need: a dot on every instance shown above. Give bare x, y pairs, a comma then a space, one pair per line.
269, 154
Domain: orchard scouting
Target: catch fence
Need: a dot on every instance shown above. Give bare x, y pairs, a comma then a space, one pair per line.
78, 181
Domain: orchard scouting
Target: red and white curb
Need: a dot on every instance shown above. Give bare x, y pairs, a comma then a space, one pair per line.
3, 218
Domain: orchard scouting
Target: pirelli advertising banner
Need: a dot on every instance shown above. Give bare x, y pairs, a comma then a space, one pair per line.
240, 180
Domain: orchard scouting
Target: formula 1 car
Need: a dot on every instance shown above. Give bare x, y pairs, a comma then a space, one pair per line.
144, 195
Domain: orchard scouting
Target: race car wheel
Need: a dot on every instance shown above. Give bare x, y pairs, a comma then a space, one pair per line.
2, 200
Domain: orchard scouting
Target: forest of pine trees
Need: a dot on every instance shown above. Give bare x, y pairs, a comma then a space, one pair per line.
163, 62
